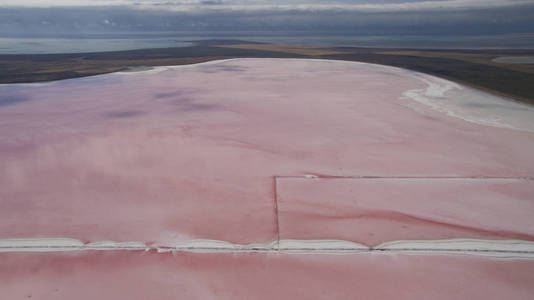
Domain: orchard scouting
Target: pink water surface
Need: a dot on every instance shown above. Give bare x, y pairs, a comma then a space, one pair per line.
149, 275
192, 152
376, 210
251, 150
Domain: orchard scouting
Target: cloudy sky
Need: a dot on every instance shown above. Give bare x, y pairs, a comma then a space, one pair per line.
410, 17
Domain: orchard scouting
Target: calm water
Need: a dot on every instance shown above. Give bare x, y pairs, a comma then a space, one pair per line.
76, 45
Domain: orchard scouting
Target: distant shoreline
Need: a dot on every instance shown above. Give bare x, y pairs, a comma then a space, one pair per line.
474, 68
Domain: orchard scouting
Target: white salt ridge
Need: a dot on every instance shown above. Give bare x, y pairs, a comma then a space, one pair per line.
158, 69
39, 244
494, 248
112, 245
208, 246
471, 105
321, 246
477, 247
64, 244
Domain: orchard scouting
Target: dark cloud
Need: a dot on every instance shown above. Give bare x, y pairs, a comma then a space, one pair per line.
350, 17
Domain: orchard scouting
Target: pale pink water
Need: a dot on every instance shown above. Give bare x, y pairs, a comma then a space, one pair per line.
206, 151
376, 210
140, 275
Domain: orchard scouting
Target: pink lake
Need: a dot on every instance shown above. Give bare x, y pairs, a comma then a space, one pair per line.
142, 275
257, 151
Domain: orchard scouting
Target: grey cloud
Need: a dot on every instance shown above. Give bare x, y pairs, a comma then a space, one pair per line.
454, 17
277, 5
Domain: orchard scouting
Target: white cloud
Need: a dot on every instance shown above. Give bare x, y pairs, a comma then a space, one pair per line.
277, 5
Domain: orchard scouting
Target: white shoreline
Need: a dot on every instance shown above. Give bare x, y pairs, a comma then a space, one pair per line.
476, 247
473, 105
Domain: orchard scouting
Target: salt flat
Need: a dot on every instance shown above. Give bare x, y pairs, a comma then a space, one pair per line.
258, 151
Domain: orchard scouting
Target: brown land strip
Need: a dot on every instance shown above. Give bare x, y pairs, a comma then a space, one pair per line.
294, 49
481, 58
473, 68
